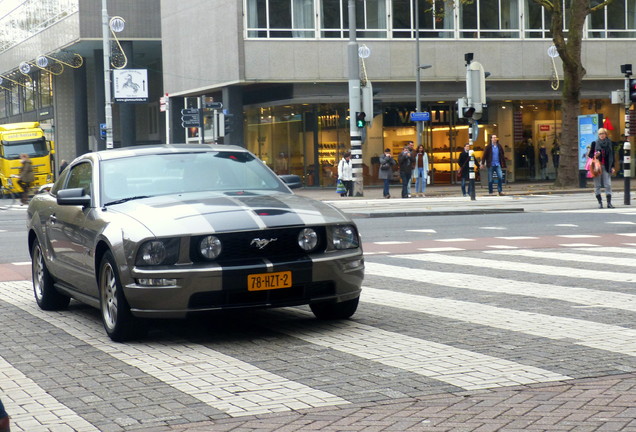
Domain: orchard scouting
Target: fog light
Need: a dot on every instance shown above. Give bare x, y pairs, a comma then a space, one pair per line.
156, 282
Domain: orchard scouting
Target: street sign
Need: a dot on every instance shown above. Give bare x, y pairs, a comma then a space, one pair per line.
213, 105
190, 123
420, 116
187, 111
190, 118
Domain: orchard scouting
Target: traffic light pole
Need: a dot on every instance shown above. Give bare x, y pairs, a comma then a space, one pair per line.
354, 103
627, 149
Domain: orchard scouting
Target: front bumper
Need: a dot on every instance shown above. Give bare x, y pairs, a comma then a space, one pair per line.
335, 276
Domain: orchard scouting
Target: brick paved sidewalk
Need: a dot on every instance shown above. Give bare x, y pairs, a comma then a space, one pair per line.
592, 404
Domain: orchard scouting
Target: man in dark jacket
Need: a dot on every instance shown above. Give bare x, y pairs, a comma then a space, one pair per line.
494, 160
406, 161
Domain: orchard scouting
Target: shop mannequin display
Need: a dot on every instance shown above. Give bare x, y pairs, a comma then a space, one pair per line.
543, 161
530, 157
556, 154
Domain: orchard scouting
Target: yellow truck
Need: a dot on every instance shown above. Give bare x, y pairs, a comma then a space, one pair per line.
29, 138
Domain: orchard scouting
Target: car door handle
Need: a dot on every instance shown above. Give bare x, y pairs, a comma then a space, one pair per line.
52, 219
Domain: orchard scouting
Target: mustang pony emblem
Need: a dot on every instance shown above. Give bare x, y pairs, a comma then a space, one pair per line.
261, 243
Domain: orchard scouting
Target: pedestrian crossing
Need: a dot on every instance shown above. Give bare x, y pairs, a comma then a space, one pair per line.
428, 322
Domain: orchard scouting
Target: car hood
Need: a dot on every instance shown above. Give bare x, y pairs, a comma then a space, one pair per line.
198, 213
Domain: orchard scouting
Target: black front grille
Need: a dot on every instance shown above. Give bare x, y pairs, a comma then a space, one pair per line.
244, 245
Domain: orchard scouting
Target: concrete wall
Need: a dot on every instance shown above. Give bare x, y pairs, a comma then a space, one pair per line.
202, 44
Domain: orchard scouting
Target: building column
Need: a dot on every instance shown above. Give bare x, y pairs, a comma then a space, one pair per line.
127, 111
100, 98
233, 103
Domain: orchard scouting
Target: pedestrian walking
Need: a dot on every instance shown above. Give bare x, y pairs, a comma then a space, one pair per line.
63, 165
345, 173
406, 161
421, 170
386, 171
493, 159
602, 150
26, 177
464, 169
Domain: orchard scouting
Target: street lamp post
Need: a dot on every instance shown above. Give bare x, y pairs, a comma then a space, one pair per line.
107, 86
418, 68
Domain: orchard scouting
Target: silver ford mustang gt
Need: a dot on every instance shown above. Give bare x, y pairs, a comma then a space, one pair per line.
165, 231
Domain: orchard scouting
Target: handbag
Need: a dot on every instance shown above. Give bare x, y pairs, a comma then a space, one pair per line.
596, 169
459, 175
340, 187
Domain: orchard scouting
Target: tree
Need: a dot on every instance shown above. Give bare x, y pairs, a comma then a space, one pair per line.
569, 49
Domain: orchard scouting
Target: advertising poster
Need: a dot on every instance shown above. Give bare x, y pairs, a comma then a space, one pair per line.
130, 85
588, 128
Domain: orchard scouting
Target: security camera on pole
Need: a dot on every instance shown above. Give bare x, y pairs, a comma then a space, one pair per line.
472, 107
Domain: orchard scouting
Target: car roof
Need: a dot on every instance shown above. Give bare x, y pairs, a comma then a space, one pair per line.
141, 150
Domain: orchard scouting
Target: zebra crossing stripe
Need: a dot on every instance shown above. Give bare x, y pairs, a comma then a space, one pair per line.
221, 381
611, 250
580, 332
496, 264
562, 256
455, 366
581, 296
32, 408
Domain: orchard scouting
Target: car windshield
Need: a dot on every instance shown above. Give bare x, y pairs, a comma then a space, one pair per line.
162, 174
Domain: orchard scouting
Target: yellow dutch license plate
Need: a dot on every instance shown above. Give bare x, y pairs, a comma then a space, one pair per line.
269, 281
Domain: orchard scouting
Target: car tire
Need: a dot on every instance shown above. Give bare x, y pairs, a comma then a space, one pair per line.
46, 295
119, 323
333, 310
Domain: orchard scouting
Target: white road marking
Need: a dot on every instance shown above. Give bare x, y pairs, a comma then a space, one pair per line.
565, 256
517, 238
583, 296
495, 264
622, 223
422, 231
391, 242
627, 234
577, 236
580, 332
577, 245
459, 367
492, 228
501, 246
32, 408
455, 240
441, 249
221, 381
566, 225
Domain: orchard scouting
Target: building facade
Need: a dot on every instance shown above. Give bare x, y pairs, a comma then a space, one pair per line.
280, 68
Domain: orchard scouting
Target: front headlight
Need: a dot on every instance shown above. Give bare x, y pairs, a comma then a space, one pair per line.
307, 239
210, 247
158, 252
344, 237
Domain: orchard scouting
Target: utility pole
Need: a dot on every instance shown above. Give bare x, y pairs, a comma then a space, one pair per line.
354, 103
107, 85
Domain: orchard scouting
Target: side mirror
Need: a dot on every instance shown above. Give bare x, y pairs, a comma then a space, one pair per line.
75, 196
291, 180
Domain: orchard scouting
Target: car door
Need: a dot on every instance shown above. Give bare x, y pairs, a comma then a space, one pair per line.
70, 234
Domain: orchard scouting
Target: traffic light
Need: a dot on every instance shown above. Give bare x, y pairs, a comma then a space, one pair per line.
102, 130
228, 123
475, 90
360, 120
632, 90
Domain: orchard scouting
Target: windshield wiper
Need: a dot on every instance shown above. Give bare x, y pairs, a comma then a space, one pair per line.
123, 200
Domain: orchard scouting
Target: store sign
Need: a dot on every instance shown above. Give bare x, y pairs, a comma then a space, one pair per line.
130, 85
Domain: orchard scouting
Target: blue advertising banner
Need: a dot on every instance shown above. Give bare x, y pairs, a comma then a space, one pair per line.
588, 128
